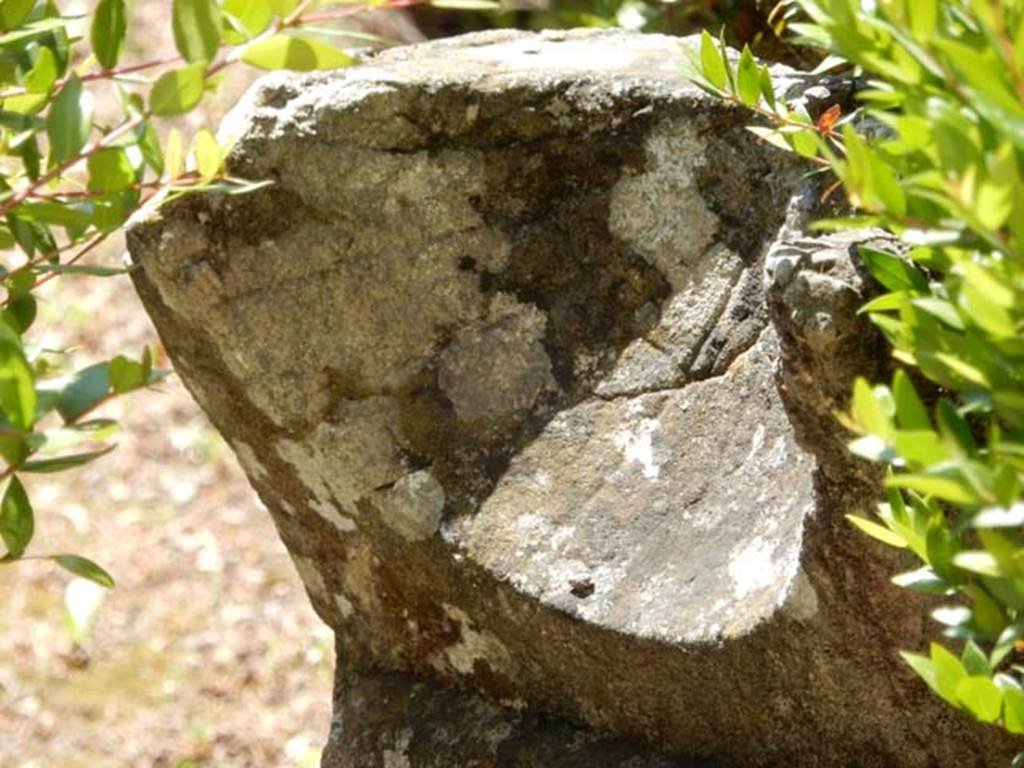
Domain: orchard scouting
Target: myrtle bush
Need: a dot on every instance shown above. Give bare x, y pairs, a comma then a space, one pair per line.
940, 169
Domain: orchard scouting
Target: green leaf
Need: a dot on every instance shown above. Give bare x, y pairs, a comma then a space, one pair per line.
804, 142
20, 282
923, 580
28, 151
910, 411
207, 153
17, 383
178, 91
867, 411
994, 196
877, 531
296, 53
284, 8
941, 310
893, 272
13, 448
13, 12
109, 24
920, 447
174, 157
886, 302
988, 616
978, 561
767, 87
961, 368
62, 463
978, 304
110, 170
723, 51
57, 214
711, 61
974, 661
945, 487
923, 16
84, 568
986, 277
20, 312
911, 522
69, 121
44, 73
33, 31
949, 673
59, 439
954, 428
125, 375
1006, 642
17, 521
87, 390
246, 19
748, 78
197, 29
1010, 404
149, 145
981, 697
1013, 711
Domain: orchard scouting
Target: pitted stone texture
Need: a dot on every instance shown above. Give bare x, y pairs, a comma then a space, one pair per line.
688, 532
496, 351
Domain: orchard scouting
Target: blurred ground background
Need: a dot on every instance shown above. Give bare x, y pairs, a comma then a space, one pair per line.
207, 653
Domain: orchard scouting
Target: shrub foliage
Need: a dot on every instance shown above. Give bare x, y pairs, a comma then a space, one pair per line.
933, 154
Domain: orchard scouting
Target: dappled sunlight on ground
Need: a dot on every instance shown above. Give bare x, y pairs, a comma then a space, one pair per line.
207, 653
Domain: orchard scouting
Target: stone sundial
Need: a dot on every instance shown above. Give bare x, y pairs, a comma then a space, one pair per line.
527, 356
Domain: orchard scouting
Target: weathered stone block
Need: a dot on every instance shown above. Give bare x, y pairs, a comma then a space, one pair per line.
525, 355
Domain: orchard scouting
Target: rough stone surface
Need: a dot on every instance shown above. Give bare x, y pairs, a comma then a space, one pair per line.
394, 721
528, 357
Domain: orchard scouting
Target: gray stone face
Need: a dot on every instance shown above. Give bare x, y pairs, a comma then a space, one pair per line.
527, 356
684, 508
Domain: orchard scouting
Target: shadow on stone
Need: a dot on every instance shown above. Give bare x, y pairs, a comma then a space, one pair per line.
498, 354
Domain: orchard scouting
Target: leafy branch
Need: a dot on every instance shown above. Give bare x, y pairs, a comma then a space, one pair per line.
941, 169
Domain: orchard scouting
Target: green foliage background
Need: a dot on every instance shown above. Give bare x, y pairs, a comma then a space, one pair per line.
933, 155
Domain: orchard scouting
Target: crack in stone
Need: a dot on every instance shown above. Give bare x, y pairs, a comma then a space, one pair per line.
679, 386
710, 327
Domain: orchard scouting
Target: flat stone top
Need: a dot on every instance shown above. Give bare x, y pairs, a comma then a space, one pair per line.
595, 64
549, 54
